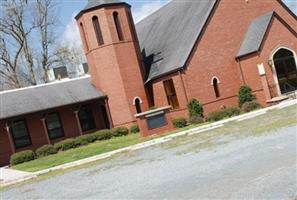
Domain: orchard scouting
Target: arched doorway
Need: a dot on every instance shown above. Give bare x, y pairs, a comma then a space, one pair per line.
286, 70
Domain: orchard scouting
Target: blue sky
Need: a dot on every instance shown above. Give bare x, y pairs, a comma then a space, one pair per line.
140, 8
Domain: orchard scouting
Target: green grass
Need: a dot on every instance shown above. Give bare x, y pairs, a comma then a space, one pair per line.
252, 127
79, 153
89, 150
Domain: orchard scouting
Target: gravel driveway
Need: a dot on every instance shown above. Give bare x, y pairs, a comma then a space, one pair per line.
262, 167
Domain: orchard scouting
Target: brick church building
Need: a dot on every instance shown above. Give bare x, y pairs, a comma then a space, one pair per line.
204, 49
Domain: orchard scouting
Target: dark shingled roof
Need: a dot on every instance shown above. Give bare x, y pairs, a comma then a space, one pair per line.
93, 4
43, 97
168, 35
255, 34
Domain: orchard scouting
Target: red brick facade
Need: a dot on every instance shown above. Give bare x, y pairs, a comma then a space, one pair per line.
117, 70
37, 132
215, 51
115, 66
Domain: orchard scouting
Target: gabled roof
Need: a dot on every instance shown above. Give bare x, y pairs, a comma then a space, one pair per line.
168, 35
255, 34
37, 98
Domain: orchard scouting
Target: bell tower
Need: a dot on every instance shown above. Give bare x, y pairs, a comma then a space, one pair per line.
111, 46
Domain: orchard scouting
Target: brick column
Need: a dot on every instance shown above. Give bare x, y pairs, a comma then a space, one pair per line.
108, 113
45, 130
78, 122
10, 138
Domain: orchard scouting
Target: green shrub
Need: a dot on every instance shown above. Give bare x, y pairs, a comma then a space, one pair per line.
134, 128
105, 134
120, 131
196, 120
245, 95
216, 116
91, 138
65, 144
45, 150
250, 106
81, 140
225, 113
232, 111
195, 108
21, 157
179, 122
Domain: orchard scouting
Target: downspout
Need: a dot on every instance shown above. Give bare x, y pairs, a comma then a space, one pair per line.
183, 83
241, 73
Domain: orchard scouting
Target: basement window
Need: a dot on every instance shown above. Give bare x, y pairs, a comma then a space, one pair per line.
20, 134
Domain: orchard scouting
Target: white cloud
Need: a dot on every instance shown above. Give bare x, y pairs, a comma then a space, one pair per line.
71, 36
147, 8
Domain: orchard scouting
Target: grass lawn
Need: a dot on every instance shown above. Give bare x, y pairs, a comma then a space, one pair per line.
257, 126
89, 150
271, 120
79, 153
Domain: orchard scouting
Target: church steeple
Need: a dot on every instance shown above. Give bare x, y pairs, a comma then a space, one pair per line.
113, 53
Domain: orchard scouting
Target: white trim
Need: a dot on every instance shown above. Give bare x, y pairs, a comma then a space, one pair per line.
137, 97
45, 84
273, 66
213, 78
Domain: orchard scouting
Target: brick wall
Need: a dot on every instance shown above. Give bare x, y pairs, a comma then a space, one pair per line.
37, 132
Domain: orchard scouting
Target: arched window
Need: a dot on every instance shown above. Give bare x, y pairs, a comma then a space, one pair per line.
118, 25
137, 101
137, 105
84, 36
97, 30
215, 84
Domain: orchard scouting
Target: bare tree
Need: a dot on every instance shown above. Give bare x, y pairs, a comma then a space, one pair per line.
46, 21
14, 35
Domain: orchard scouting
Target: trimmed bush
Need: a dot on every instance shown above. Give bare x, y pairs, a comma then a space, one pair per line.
196, 120
179, 122
134, 128
216, 116
81, 140
232, 111
245, 95
45, 150
91, 138
195, 108
120, 131
21, 157
250, 106
225, 113
65, 144
105, 134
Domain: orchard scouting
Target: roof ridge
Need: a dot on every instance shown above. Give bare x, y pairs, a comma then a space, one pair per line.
156, 11
45, 84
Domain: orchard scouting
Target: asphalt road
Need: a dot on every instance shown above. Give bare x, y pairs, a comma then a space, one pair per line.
263, 167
